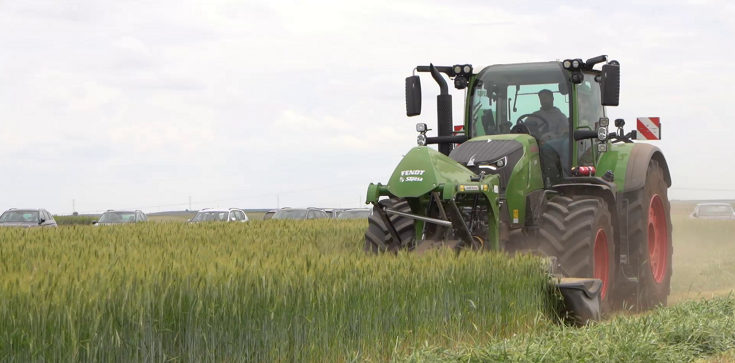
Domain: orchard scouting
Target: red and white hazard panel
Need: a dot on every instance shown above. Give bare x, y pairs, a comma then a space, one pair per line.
458, 129
649, 128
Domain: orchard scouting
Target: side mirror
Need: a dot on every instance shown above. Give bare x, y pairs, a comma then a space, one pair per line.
610, 84
40, 221
413, 96
94, 222
233, 219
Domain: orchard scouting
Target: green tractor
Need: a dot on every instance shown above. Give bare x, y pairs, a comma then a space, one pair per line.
534, 169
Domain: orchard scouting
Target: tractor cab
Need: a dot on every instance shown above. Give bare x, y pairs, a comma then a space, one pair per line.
538, 99
560, 104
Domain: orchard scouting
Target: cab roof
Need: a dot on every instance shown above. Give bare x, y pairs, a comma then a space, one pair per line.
527, 73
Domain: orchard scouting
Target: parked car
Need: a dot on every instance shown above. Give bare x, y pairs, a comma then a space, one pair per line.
121, 217
300, 213
358, 213
27, 218
269, 214
220, 215
713, 211
334, 212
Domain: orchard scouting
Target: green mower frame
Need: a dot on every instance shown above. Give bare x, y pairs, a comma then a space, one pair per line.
503, 184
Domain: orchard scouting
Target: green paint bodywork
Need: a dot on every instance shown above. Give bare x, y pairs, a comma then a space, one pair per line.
616, 159
526, 176
422, 170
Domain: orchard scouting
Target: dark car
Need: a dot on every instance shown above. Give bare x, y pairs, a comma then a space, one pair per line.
27, 218
300, 213
359, 213
121, 217
713, 211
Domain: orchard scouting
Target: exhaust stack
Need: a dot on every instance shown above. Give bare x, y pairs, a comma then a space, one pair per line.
443, 110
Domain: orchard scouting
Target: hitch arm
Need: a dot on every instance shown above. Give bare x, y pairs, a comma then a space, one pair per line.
391, 229
459, 224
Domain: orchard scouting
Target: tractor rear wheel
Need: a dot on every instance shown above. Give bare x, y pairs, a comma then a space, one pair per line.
578, 231
377, 232
649, 234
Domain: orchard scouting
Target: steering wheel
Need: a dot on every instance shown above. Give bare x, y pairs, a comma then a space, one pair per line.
543, 128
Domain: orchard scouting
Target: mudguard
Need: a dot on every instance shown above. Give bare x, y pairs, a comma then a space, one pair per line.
581, 299
640, 156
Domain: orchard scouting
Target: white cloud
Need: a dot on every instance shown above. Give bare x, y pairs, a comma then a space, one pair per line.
143, 92
325, 134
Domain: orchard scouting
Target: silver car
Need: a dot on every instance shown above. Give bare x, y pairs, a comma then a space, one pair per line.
359, 213
27, 218
300, 213
121, 217
220, 215
713, 211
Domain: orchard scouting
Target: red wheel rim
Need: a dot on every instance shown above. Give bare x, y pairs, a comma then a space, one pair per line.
658, 239
602, 266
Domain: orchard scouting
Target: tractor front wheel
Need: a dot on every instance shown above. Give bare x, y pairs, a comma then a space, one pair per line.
578, 231
377, 233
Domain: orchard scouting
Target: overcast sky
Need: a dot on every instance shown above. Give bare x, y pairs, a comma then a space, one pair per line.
143, 104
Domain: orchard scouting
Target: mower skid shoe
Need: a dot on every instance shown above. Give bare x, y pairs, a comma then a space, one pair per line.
581, 299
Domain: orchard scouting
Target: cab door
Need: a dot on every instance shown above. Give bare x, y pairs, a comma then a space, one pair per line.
587, 113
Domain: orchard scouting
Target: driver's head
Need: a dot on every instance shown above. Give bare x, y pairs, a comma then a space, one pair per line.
546, 98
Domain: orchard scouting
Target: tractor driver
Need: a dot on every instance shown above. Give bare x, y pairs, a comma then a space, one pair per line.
558, 122
554, 142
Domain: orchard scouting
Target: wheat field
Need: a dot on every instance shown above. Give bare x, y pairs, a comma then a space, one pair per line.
285, 291
265, 291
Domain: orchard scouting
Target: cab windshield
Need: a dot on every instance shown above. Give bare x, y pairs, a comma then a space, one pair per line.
534, 94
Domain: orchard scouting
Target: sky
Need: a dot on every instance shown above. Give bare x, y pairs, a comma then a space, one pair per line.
265, 104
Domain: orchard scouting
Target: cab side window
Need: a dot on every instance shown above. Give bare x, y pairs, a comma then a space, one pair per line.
589, 111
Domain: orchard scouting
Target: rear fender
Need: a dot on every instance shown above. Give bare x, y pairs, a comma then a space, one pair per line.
640, 157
